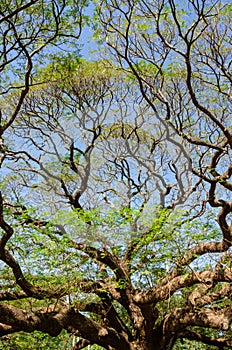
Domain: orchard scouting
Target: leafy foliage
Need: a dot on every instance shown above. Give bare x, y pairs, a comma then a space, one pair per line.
115, 205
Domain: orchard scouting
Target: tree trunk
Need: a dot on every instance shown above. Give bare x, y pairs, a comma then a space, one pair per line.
159, 343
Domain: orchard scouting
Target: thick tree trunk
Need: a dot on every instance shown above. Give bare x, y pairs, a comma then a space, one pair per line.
159, 343
139, 346
154, 346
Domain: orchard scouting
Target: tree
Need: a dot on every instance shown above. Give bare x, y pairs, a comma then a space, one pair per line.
114, 171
